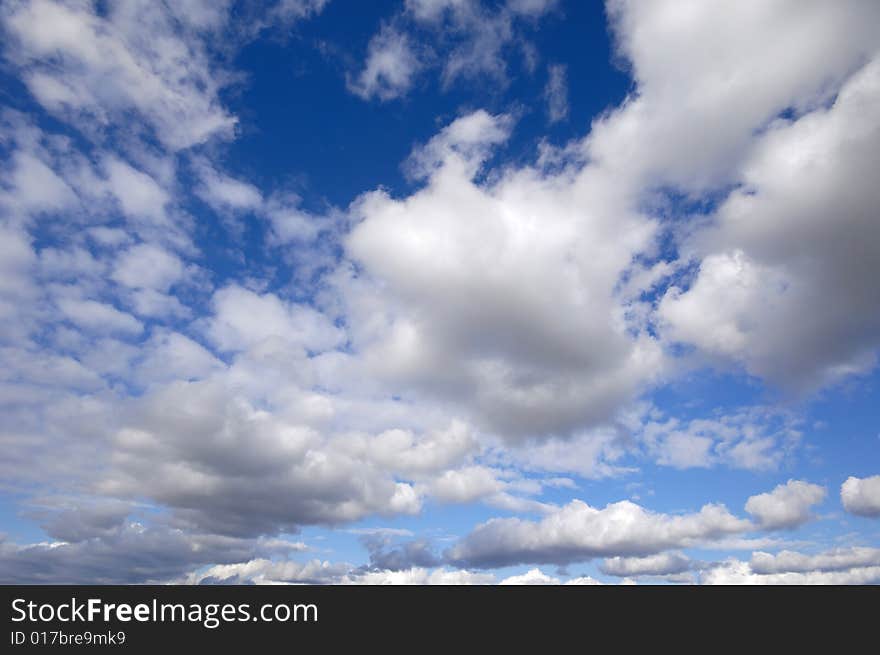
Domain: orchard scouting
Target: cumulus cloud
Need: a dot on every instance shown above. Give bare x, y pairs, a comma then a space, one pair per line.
226, 467
146, 266
468, 39
837, 567
128, 553
530, 577
754, 297
834, 560
99, 317
91, 69
390, 68
578, 532
477, 333
223, 192
709, 77
409, 555
661, 564
787, 506
861, 496
244, 319
500, 295
754, 438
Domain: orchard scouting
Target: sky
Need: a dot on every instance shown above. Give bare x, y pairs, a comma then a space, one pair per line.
439, 292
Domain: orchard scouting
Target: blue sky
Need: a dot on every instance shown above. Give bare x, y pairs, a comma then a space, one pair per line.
439, 291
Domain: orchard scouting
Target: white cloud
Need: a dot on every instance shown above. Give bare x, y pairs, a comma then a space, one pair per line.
787, 506
169, 356
223, 466
99, 317
661, 564
33, 187
113, 550
414, 454
390, 67
578, 532
835, 560
264, 571
147, 266
244, 319
93, 69
137, 193
556, 93
754, 299
466, 485
466, 284
856, 566
710, 76
422, 576
861, 496
530, 577
221, 191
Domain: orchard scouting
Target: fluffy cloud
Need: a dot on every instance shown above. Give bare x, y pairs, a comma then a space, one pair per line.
390, 67
578, 532
861, 496
244, 319
661, 564
135, 58
755, 438
530, 577
422, 577
492, 324
835, 560
470, 38
709, 77
754, 298
225, 467
843, 566
223, 192
128, 553
264, 571
501, 295
147, 266
99, 317
787, 506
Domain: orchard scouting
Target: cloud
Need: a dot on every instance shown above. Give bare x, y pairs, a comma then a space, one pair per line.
556, 93
839, 567
577, 532
709, 79
861, 496
662, 564
753, 300
92, 69
752, 438
146, 266
530, 577
840, 559
223, 466
421, 576
244, 319
787, 506
223, 192
264, 571
99, 317
129, 553
412, 554
390, 68
467, 38
464, 288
